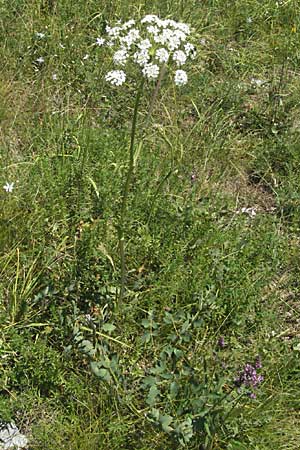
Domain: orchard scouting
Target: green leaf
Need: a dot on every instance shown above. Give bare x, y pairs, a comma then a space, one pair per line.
153, 395
87, 347
108, 327
174, 388
155, 413
185, 326
146, 323
165, 422
100, 372
105, 362
146, 337
177, 352
150, 381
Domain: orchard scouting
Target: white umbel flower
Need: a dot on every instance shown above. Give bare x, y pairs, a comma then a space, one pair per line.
180, 77
162, 55
164, 37
120, 57
113, 32
183, 27
170, 23
150, 44
180, 35
128, 24
145, 44
142, 57
153, 29
179, 57
151, 71
190, 50
150, 18
116, 77
131, 38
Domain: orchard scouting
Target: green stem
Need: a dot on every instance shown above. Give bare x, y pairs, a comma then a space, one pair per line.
126, 192
155, 93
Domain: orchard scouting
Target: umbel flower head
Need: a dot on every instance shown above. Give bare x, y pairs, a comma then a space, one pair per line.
149, 45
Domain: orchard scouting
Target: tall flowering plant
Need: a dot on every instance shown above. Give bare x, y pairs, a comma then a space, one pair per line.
153, 47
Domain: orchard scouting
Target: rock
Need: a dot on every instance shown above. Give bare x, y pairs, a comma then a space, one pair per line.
11, 438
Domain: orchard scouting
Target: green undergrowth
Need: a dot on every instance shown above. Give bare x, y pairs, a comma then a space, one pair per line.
211, 232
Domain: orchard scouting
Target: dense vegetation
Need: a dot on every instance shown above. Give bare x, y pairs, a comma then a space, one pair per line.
203, 350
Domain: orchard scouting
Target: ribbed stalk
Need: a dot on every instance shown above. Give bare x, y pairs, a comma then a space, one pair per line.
125, 194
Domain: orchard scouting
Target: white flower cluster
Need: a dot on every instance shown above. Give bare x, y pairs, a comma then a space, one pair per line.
149, 44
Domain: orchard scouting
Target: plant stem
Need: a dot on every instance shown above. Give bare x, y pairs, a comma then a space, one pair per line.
155, 93
126, 192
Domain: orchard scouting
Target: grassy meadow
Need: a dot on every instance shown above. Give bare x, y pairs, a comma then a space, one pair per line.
211, 231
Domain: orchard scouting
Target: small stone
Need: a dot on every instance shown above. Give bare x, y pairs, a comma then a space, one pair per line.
11, 438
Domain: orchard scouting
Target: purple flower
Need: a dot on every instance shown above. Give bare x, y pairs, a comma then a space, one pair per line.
249, 377
258, 364
252, 395
221, 342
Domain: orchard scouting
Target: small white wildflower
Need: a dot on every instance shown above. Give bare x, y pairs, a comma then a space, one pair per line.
179, 57
170, 23
173, 43
153, 29
163, 37
180, 35
142, 57
8, 187
100, 41
250, 211
128, 24
183, 27
150, 18
257, 82
249, 20
116, 77
40, 60
162, 55
40, 35
203, 41
168, 38
161, 23
130, 38
190, 50
113, 32
120, 57
54, 77
151, 71
144, 44
134, 34
86, 56
180, 77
